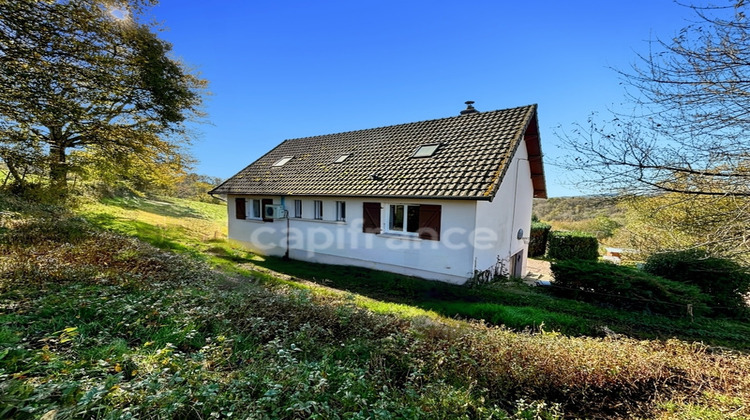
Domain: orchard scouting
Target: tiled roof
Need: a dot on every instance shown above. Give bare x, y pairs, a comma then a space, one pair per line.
474, 154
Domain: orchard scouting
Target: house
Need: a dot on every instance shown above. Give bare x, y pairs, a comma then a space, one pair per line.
440, 199
615, 255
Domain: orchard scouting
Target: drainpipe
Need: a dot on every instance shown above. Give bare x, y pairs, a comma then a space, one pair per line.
286, 216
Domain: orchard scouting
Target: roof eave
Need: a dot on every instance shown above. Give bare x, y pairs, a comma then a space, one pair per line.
530, 134
383, 196
534, 151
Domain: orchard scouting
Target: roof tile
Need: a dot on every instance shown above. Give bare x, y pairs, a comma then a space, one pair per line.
473, 149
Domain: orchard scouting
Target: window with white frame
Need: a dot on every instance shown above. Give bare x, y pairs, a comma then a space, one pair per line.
318, 209
341, 211
256, 214
341, 158
283, 161
403, 218
298, 209
425, 150
422, 221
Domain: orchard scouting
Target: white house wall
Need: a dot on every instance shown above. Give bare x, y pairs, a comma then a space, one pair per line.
506, 214
328, 241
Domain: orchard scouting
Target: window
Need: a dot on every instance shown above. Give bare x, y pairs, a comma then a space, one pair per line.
283, 161
318, 208
341, 211
341, 159
426, 150
404, 216
298, 209
256, 209
422, 220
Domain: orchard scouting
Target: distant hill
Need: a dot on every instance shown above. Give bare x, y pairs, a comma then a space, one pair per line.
574, 209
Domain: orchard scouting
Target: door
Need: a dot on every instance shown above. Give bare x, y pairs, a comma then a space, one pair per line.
516, 265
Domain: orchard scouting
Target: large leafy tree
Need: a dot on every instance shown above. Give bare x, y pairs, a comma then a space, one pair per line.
686, 144
87, 75
672, 221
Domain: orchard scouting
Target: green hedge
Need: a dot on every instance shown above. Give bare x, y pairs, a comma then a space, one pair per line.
626, 288
538, 238
725, 281
572, 246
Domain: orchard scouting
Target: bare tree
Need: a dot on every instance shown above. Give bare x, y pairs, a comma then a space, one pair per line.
688, 133
687, 138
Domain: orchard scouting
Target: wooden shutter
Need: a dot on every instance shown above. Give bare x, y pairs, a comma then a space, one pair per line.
371, 216
239, 208
429, 222
263, 203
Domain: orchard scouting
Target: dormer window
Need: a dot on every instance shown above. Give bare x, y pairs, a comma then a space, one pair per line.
341, 158
283, 161
425, 150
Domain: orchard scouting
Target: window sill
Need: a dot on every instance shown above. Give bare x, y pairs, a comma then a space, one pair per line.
252, 220
330, 222
400, 236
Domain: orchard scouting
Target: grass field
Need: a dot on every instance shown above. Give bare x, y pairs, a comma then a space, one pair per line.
100, 325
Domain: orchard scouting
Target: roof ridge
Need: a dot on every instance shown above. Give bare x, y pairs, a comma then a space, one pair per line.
472, 115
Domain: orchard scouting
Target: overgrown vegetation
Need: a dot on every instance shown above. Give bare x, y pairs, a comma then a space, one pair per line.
626, 287
725, 282
512, 304
94, 324
576, 209
667, 222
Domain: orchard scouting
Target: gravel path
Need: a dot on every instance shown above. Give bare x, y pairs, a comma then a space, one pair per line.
538, 270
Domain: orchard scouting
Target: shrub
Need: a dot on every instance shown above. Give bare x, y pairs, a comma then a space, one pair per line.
725, 281
572, 246
605, 227
625, 287
538, 238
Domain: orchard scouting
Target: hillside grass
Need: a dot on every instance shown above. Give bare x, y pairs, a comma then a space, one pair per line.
199, 228
96, 324
166, 222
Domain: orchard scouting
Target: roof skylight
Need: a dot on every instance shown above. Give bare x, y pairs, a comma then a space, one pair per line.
283, 161
341, 158
426, 150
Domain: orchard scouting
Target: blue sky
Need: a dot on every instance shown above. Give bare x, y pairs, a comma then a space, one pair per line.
288, 69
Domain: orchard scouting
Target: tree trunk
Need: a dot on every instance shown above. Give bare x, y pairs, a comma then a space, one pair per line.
12, 171
58, 167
